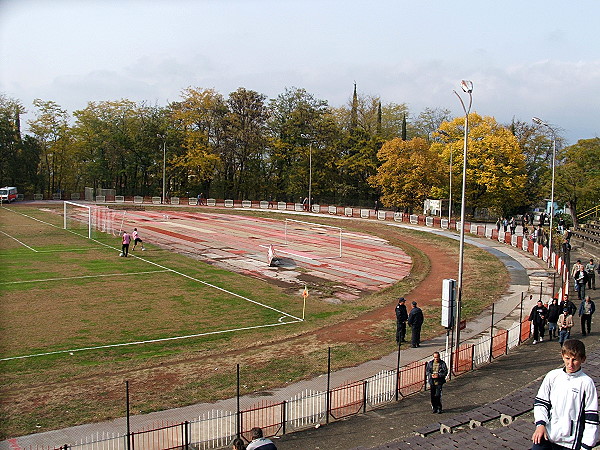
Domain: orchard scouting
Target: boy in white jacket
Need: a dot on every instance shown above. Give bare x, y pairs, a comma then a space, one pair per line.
566, 405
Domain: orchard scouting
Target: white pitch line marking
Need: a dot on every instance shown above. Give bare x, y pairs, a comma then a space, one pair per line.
150, 341
85, 276
23, 244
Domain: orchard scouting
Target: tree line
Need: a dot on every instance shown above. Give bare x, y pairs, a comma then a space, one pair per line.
245, 146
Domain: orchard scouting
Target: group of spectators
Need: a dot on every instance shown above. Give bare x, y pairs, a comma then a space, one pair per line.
414, 319
559, 318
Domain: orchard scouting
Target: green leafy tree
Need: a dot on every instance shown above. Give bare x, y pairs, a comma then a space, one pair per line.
578, 176
51, 129
246, 140
428, 122
536, 144
199, 125
299, 122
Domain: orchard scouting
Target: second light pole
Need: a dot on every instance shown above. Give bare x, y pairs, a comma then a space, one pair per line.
467, 86
306, 136
164, 138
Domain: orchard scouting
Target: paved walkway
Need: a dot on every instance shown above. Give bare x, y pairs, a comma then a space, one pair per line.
527, 275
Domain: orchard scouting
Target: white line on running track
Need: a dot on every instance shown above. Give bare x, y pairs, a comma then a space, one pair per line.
86, 276
23, 244
150, 341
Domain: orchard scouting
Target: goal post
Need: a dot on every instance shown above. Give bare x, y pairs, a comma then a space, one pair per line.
321, 238
77, 216
85, 219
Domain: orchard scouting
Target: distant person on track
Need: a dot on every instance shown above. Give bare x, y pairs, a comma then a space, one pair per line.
415, 321
566, 406
125, 244
259, 442
137, 239
436, 371
401, 318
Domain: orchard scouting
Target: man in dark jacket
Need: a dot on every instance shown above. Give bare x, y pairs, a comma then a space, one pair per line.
415, 321
436, 371
401, 318
538, 316
568, 304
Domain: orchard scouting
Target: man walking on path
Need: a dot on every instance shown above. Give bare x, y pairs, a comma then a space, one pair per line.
436, 371
415, 320
538, 316
565, 322
401, 318
586, 309
590, 269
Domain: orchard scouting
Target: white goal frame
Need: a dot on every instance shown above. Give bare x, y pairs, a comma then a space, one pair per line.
79, 205
313, 224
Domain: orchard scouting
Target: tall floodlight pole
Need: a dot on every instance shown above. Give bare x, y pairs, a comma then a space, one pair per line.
164, 138
539, 121
306, 136
467, 86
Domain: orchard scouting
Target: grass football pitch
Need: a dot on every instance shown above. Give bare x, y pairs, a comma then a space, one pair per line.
63, 293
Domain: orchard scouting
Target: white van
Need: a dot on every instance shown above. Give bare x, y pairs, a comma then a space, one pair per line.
8, 194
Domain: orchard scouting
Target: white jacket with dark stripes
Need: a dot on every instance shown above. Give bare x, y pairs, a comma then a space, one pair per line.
567, 404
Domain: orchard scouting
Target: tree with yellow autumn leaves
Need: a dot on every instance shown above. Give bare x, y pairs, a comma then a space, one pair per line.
412, 171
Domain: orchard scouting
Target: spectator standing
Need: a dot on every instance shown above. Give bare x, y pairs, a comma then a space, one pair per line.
586, 309
538, 316
401, 318
259, 442
577, 267
561, 225
415, 321
566, 406
590, 269
553, 313
581, 279
513, 225
565, 322
436, 371
125, 244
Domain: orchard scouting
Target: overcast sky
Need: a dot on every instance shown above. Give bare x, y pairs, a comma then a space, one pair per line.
525, 57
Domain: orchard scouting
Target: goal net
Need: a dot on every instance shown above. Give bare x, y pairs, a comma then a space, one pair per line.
88, 219
314, 239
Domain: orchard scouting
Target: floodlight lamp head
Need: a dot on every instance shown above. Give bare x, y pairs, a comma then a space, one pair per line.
538, 121
467, 86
